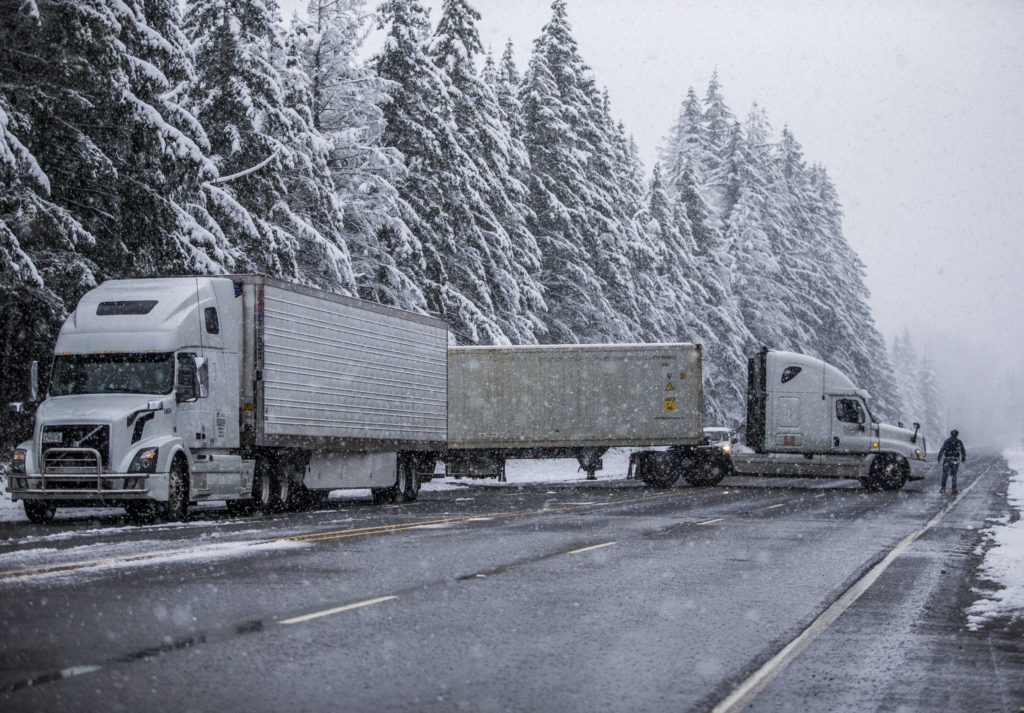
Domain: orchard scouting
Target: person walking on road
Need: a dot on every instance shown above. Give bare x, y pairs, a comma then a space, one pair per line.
951, 455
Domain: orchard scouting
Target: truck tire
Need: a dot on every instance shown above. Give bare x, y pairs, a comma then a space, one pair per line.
141, 512
39, 511
708, 471
267, 488
177, 492
655, 471
399, 492
888, 472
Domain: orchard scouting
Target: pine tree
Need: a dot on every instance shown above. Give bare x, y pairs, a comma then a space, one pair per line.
346, 98
494, 193
570, 214
275, 195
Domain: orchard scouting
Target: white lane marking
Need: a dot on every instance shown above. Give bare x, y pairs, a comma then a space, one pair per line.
820, 496
335, 610
708, 522
771, 507
743, 695
592, 547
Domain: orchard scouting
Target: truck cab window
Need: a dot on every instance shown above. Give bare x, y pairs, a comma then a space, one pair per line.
789, 373
849, 411
212, 322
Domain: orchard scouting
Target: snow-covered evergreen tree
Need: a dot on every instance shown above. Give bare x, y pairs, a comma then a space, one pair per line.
508, 249
571, 215
346, 99
275, 196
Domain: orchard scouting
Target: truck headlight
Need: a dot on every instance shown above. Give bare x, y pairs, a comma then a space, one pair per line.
144, 461
18, 460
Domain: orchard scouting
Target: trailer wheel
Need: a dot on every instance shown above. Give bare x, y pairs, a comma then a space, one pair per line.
655, 470
399, 492
177, 492
888, 472
412, 483
708, 471
39, 511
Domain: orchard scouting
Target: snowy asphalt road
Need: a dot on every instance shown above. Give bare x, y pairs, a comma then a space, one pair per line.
579, 597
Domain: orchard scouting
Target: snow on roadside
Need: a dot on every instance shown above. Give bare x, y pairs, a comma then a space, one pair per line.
1003, 563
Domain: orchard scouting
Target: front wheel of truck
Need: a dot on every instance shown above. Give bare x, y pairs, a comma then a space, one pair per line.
39, 511
177, 492
888, 472
141, 512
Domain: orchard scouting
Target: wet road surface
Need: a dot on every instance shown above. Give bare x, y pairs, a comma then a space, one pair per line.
581, 597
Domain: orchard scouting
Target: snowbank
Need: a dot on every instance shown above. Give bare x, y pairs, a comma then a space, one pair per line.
1004, 561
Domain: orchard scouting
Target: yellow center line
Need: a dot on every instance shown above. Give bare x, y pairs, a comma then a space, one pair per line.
64, 567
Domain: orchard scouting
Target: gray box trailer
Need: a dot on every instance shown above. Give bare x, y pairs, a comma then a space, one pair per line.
569, 401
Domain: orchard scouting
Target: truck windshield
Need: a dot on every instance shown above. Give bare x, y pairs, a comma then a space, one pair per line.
112, 374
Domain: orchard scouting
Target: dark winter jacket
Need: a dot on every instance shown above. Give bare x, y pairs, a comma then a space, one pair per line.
953, 448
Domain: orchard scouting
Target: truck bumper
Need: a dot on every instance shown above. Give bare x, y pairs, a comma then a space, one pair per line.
89, 489
918, 469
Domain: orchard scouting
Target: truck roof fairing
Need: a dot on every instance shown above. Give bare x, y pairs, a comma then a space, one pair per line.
172, 323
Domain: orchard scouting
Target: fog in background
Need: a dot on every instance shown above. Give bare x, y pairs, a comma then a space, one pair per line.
914, 107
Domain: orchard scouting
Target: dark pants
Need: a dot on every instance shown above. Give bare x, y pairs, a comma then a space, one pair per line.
949, 468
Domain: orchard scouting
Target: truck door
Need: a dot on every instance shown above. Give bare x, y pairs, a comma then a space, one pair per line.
850, 427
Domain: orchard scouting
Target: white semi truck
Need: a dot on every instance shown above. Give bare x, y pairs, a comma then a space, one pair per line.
805, 418
172, 391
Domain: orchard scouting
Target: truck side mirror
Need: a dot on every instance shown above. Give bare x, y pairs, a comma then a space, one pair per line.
202, 377
917, 427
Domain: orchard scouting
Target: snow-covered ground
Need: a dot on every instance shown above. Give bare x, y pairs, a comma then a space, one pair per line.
564, 470
1004, 560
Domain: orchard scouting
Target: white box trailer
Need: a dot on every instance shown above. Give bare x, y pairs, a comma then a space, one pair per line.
569, 401
331, 372
171, 391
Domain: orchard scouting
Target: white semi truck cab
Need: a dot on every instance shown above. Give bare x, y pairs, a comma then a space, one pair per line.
806, 418
171, 391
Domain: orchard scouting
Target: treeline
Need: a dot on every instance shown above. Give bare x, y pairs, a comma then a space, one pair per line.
139, 139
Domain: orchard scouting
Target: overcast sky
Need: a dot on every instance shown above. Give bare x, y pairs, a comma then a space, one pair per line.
916, 108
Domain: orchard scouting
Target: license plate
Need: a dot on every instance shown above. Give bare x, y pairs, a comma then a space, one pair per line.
52, 438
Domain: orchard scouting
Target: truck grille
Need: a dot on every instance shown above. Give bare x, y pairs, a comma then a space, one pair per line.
73, 449
72, 461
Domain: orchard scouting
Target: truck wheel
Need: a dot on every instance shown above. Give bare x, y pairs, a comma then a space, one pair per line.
177, 492
265, 491
141, 512
39, 511
654, 471
399, 492
708, 471
889, 472
412, 484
